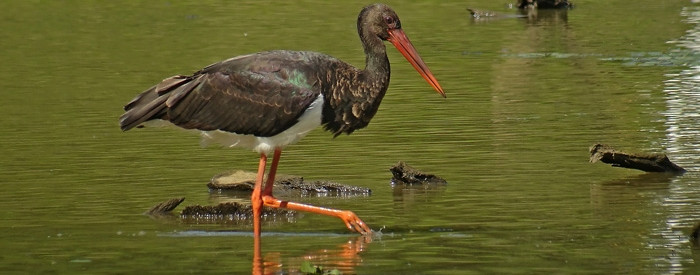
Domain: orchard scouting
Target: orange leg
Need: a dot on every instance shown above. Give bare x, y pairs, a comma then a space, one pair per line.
349, 218
272, 173
256, 198
256, 201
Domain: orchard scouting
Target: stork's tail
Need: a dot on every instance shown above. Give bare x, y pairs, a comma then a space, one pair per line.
151, 103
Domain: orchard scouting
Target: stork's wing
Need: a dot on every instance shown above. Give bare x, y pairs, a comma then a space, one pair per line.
262, 103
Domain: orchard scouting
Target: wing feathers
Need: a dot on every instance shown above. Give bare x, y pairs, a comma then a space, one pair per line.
244, 102
139, 110
182, 91
169, 83
241, 102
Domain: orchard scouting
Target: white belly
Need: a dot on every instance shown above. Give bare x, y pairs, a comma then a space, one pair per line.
266, 145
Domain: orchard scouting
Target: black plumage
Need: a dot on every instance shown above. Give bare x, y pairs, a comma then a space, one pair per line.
261, 94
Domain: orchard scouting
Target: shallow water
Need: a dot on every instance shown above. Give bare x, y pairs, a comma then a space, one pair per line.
526, 98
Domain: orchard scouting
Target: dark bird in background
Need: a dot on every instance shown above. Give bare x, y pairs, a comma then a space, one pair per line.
268, 100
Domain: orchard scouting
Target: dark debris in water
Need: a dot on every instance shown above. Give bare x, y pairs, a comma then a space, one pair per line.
228, 211
477, 13
695, 235
165, 207
242, 181
222, 209
407, 175
639, 161
322, 187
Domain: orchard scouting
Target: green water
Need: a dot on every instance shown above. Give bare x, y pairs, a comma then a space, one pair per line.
526, 98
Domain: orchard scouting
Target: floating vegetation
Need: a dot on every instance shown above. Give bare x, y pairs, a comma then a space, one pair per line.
308, 268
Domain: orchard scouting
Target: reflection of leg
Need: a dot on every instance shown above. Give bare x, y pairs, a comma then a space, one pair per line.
353, 247
345, 257
256, 197
258, 265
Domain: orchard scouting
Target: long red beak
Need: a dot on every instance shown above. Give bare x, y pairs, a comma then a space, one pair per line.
401, 42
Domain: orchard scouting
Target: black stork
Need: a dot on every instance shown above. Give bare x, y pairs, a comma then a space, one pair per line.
268, 100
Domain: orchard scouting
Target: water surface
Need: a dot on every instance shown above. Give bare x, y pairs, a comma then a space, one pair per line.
526, 98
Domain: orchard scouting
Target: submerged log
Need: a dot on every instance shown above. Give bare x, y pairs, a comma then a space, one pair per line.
222, 209
229, 211
644, 162
232, 211
405, 174
165, 207
245, 182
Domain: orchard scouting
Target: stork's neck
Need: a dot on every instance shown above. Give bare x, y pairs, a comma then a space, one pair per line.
377, 68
